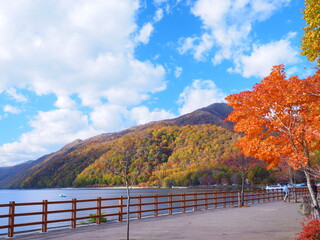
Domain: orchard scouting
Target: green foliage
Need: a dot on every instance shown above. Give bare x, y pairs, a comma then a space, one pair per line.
310, 45
94, 219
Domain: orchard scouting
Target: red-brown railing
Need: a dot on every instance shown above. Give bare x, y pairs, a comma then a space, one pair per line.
49, 213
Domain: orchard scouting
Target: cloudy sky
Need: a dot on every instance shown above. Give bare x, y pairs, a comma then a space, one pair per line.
72, 69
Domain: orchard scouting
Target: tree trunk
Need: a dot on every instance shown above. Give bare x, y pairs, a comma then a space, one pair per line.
242, 189
128, 208
313, 197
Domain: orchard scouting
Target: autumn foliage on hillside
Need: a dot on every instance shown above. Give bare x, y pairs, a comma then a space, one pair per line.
173, 156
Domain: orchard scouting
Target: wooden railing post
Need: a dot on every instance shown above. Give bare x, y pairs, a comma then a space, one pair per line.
44, 215
270, 194
254, 194
225, 199
139, 207
215, 200
120, 210
280, 194
74, 213
232, 198
194, 197
98, 219
170, 203
11, 219
206, 201
184, 202
273, 196
155, 205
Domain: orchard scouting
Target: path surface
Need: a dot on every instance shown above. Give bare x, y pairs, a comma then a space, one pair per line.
274, 220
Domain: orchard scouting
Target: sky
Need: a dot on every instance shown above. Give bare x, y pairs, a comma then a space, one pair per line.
73, 69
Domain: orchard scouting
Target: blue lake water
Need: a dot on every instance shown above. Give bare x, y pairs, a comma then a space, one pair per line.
38, 195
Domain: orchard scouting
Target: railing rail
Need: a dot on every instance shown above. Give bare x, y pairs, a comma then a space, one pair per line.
115, 208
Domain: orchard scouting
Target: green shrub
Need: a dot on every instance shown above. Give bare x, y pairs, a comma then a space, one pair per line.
93, 219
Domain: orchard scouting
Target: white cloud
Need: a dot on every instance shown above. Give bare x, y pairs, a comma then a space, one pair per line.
50, 130
74, 49
109, 117
159, 2
228, 25
11, 109
199, 47
187, 44
76, 53
143, 115
264, 57
16, 96
145, 33
200, 94
64, 102
159, 15
177, 72
204, 46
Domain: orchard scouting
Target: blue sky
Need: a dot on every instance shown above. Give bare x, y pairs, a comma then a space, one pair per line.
74, 69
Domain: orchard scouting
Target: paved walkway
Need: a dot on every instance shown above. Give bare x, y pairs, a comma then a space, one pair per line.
274, 220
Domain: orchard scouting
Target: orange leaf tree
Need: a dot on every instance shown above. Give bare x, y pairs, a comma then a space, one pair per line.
280, 121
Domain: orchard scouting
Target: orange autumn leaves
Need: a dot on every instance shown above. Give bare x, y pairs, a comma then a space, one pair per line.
279, 118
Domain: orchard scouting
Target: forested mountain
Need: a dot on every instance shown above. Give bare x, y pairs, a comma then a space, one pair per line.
171, 155
175, 149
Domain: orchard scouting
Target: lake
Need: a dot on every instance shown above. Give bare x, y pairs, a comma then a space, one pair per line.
37, 195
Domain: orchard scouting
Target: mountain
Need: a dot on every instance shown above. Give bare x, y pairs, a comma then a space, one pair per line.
213, 114
61, 168
163, 155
